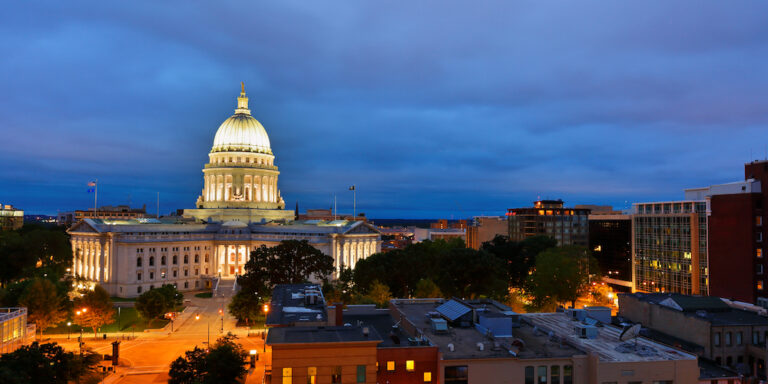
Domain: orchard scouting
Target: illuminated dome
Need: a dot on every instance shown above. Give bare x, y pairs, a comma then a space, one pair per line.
241, 132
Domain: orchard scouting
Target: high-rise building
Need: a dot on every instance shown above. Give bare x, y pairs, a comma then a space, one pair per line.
669, 247
569, 226
610, 239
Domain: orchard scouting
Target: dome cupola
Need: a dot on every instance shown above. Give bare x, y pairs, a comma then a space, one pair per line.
241, 132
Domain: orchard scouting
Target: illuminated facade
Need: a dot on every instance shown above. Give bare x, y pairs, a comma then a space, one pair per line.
569, 226
240, 209
10, 218
669, 247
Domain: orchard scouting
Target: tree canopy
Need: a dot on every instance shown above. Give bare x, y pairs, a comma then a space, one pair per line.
99, 308
43, 303
44, 363
519, 257
33, 251
561, 275
159, 301
223, 363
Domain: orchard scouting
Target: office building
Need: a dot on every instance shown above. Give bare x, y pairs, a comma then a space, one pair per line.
485, 229
569, 226
610, 240
14, 331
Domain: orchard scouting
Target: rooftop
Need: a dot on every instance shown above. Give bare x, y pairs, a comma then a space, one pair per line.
302, 335
606, 344
709, 308
297, 304
391, 334
465, 342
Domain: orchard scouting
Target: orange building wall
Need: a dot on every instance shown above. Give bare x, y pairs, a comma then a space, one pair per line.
424, 358
299, 357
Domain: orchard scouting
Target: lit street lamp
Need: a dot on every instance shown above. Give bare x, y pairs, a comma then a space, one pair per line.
197, 317
69, 328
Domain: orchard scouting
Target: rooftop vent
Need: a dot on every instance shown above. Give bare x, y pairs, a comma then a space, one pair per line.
451, 347
480, 346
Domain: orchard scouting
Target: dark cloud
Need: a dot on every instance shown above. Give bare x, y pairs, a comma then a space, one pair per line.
432, 108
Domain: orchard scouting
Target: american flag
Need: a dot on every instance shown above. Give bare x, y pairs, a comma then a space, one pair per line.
91, 186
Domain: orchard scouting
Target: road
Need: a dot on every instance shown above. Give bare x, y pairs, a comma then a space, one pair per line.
147, 358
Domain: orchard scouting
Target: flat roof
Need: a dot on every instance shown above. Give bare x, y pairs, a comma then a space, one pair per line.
288, 305
303, 335
391, 337
708, 308
607, 344
465, 340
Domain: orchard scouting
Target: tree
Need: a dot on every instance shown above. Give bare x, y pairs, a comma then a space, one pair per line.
33, 251
151, 304
290, 262
44, 363
561, 275
173, 298
427, 288
43, 303
224, 363
98, 308
469, 273
245, 307
519, 257
379, 294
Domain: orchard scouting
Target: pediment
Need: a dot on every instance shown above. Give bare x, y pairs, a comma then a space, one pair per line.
82, 226
362, 228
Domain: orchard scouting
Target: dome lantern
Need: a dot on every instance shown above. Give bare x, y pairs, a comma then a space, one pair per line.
241, 132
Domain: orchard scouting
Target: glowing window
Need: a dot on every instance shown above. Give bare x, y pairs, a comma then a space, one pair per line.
427, 377
759, 285
287, 376
759, 253
390, 365
409, 365
312, 375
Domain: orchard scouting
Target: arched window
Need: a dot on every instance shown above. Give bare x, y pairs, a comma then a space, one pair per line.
197, 258
138, 261
206, 258
151, 261
175, 259
186, 259
162, 260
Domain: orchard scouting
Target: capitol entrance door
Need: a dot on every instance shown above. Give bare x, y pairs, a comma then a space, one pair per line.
231, 269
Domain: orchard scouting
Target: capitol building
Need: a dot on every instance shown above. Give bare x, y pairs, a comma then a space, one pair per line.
240, 209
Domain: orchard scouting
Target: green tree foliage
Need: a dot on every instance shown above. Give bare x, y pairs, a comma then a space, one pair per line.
245, 307
224, 363
290, 262
519, 257
455, 269
379, 294
561, 275
33, 251
427, 288
44, 363
341, 290
151, 304
99, 307
43, 303
173, 298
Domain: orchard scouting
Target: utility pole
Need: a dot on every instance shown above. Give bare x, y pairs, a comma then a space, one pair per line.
354, 201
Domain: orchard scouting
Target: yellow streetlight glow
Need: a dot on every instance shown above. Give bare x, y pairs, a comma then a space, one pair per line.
253, 352
197, 317
266, 308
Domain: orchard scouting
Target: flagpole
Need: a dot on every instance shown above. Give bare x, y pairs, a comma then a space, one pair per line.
96, 199
354, 203
158, 205
334, 206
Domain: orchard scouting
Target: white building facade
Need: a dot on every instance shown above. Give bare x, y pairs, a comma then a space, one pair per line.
240, 209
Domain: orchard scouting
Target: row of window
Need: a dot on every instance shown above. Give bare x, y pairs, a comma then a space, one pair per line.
174, 249
556, 373
174, 259
312, 375
756, 339
162, 274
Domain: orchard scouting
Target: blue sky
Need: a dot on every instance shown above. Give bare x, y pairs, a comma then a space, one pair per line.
432, 108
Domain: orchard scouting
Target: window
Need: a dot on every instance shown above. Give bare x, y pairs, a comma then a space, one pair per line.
197, 271
151, 261
759, 269
409, 365
759, 237
162, 260
175, 259
728, 339
287, 375
186, 284
206, 258
151, 275
138, 289
312, 375
729, 361
336, 374
554, 374
162, 275
186, 259
138, 276
138, 261
529, 374
197, 258
568, 374
755, 338
759, 253
542, 374
759, 285
739, 336
427, 377
758, 221
174, 273
186, 272
390, 365
717, 339
458, 374
361, 373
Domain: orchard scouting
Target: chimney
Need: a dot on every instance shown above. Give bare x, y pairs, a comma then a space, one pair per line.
339, 310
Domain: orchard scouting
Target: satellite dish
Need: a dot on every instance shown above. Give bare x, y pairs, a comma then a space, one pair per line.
630, 332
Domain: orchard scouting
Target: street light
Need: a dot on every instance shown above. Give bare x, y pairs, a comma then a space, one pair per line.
69, 328
221, 312
197, 317
266, 311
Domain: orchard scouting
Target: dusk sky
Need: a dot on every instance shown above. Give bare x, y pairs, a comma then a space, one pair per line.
434, 109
